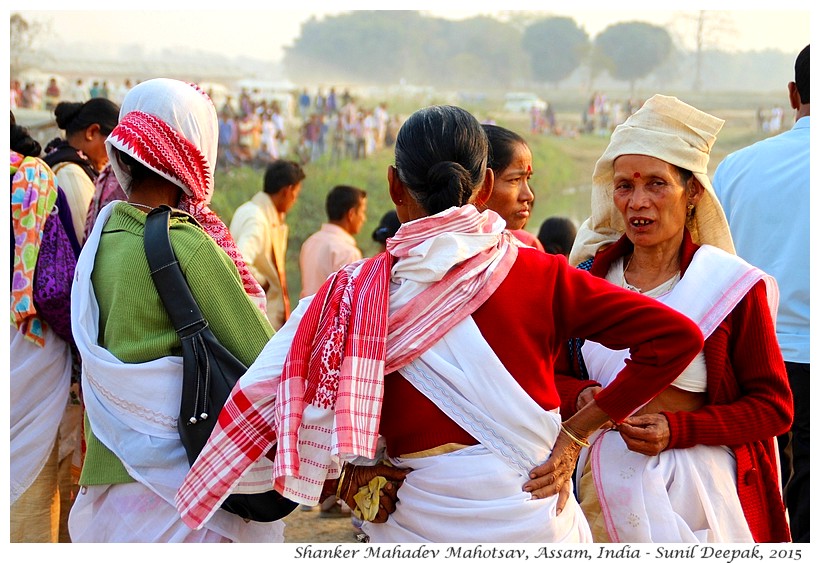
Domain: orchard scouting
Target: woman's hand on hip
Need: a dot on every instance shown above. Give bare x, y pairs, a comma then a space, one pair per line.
555, 475
357, 478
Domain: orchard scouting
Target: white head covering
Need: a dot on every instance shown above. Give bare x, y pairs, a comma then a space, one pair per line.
171, 127
670, 130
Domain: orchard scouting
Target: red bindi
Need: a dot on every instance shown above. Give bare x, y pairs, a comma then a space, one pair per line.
636, 175
529, 169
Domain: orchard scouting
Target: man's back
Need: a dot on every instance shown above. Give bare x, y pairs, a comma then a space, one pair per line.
323, 253
764, 190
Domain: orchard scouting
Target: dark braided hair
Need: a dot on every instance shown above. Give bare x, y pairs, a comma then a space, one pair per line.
441, 156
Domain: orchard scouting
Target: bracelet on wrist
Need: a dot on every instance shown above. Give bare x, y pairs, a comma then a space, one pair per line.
341, 480
572, 436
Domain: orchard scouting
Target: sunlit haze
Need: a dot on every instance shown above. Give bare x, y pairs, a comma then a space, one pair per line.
263, 33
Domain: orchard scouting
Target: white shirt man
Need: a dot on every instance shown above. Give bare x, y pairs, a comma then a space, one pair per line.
261, 234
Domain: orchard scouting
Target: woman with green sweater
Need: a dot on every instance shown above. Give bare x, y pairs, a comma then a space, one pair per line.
163, 152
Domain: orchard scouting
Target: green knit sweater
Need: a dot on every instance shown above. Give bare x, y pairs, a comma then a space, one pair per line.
134, 326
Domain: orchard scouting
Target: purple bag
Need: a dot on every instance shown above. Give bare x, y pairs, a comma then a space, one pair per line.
54, 273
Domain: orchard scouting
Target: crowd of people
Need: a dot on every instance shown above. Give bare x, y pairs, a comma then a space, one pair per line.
37, 96
258, 132
643, 377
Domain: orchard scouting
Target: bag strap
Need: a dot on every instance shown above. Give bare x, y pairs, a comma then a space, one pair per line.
167, 275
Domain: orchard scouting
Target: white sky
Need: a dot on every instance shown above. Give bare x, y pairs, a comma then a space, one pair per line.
259, 30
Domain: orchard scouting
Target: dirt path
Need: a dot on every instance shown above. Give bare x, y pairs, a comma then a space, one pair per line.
307, 527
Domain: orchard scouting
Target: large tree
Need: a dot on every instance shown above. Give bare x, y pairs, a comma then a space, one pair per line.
365, 46
557, 47
479, 51
23, 38
632, 50
386, 46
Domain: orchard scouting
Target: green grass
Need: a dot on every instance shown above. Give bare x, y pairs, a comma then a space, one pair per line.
561, 181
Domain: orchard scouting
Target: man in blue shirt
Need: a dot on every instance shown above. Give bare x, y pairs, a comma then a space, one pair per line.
764, 190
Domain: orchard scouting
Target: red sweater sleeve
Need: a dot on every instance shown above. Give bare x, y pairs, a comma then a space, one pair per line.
749, 394
662, 342
540, 305
569, 387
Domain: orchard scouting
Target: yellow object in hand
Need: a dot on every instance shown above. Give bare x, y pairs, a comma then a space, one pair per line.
367, 499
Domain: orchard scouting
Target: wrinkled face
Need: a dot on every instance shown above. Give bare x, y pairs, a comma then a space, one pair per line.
358, 216
651, 198
511, 196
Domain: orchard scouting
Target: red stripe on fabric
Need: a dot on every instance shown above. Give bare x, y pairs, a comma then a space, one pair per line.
164, 149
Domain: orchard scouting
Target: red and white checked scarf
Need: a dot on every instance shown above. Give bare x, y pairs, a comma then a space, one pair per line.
171, 127
342, 348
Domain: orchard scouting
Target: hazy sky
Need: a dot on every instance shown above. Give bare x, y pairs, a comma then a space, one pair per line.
262, 31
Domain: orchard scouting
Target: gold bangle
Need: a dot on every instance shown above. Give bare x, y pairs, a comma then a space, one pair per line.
581, 442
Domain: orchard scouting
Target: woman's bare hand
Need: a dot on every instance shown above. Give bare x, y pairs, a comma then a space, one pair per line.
646, 434
555, 475
358, 476
586, 395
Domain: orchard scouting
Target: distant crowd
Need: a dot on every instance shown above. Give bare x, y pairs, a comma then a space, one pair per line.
254, 130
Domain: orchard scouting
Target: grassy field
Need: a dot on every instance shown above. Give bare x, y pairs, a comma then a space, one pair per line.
562, 171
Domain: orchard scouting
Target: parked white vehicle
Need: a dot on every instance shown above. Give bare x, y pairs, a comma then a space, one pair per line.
519, 102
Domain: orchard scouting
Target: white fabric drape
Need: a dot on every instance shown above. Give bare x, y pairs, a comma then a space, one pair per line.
38, 394
133, 410
481, 484
679, 495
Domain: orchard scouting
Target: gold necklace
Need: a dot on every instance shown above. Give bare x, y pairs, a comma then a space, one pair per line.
625, 283
661, 288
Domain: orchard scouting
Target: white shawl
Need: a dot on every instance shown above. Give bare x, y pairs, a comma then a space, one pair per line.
133, 408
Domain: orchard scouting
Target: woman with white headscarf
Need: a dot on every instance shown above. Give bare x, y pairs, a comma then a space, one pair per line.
697, 463
163, 151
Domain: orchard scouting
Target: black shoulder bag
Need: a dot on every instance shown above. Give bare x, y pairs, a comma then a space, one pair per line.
210, 371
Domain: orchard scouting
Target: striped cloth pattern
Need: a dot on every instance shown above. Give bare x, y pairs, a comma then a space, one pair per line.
342, 348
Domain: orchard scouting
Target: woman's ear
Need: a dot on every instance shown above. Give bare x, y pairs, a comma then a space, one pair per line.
482, 195
397, 191
91, 130
695, 191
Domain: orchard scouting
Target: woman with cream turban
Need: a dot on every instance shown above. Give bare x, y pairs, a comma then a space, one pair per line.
697, 463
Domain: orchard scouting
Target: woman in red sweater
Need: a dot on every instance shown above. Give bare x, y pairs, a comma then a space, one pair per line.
697, 463
510, 159
438, 357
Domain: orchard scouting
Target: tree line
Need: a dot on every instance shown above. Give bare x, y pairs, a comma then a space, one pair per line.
483, 53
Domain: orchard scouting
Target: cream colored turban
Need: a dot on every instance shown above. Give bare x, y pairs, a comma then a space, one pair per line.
672, 131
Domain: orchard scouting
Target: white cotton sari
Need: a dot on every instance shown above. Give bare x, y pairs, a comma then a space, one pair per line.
480, 484
40, 379
446, 262
477, 491
133, 410
680, 495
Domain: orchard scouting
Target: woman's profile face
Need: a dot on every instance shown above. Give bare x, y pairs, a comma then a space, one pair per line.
511, 196
651, 198
94, 146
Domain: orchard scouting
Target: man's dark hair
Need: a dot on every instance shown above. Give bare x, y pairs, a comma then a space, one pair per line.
281, 173
802, 76
342, 199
